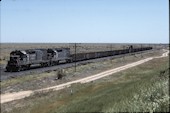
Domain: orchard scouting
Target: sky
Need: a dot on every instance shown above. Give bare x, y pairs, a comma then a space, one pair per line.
84, 21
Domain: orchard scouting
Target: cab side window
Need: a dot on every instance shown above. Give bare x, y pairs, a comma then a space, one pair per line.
59, 50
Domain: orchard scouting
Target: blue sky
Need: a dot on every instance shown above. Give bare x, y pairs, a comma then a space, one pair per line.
90, 21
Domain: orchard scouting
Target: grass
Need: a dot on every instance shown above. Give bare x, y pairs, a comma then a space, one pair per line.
146, 92
24, 82
23, 79
140, 89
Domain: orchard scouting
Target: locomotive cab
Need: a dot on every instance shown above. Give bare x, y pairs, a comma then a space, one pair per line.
16, 60
57, 55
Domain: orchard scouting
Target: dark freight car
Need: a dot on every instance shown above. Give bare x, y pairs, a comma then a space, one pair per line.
78, 57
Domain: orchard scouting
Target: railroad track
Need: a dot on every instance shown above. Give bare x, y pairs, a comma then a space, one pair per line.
8, 75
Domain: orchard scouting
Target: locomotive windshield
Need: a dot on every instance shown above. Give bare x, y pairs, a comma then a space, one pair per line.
13, 58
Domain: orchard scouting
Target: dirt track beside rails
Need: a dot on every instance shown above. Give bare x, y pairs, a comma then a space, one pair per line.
19, 95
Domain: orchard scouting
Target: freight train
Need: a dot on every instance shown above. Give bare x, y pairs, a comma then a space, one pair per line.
24, 59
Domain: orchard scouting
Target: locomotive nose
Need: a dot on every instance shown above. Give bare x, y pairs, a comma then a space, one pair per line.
12, 63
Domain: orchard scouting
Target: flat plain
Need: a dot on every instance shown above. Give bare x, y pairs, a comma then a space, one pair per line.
100, 95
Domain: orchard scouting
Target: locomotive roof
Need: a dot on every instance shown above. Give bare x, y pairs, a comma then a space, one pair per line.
58, 48
37, 49
17, 52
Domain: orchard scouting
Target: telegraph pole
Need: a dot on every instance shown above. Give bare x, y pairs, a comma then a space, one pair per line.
111, 52
75, 47
155, 46
123, 54
111, 47
141, 51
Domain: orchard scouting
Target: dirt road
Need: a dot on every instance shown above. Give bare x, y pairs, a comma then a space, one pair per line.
19, 95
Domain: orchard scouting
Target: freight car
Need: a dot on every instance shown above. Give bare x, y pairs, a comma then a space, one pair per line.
92, 55
24, 59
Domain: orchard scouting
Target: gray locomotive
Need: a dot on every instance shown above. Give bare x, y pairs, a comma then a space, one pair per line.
24, 59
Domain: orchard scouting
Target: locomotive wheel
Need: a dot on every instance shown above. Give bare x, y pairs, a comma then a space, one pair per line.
52, 63
43, 64
69, 61
57, 62
8, 70
49, 64
27, 67
19, 69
